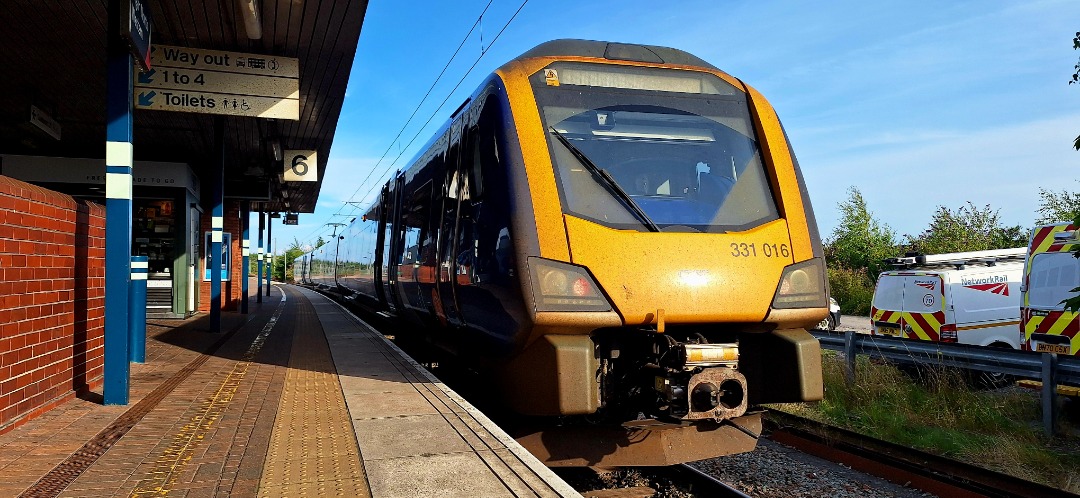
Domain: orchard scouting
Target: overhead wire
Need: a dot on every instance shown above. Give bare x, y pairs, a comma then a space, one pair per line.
445, 100
412, 115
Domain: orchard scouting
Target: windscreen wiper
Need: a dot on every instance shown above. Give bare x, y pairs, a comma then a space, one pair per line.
608, 182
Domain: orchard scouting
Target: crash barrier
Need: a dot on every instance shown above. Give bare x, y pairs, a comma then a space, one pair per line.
1049, 368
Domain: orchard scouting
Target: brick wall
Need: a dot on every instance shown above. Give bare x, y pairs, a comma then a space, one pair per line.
52, 299
230, 291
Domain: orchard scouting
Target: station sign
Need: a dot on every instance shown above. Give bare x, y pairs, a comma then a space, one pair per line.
291, 219
219, 82
136, 27
44, 121
301, 166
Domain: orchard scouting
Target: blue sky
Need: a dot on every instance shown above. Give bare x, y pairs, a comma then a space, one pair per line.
915, 103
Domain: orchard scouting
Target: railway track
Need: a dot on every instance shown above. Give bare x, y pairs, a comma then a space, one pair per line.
681, 481
917, 469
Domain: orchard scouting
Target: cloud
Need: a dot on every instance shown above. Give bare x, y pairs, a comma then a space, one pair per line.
904, 183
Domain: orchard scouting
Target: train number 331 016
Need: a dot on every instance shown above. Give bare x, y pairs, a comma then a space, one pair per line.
744, 250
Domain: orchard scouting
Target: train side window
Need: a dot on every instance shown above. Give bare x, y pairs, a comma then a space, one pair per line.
485, 156
413, 220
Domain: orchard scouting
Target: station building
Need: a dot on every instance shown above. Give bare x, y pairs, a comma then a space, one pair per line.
208, 144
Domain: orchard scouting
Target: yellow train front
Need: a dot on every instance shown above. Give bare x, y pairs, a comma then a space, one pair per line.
610, 230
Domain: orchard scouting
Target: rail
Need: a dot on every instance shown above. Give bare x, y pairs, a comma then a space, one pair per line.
931, 473
1049, 368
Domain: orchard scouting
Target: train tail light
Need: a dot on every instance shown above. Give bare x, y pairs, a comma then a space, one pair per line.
559, 286
802, 285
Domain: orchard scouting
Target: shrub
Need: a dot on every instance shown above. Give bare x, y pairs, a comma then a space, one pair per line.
852, 289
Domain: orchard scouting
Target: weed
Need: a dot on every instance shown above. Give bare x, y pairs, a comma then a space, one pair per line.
937, 411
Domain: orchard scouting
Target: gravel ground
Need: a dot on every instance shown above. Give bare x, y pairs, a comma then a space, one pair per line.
777, 471
859, 324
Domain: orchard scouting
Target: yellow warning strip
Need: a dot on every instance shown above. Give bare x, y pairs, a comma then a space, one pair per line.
313, 449
171, 463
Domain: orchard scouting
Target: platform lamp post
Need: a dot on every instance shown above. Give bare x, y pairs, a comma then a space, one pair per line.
270, 249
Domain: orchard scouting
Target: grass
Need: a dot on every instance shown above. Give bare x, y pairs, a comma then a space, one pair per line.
940, 413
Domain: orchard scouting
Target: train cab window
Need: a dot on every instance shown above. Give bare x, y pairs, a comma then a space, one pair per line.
679, 144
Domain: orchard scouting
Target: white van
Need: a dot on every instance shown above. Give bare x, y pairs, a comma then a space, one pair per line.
968, 298
1050, 276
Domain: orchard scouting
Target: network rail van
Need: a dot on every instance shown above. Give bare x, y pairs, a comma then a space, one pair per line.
1050, 275
965, 297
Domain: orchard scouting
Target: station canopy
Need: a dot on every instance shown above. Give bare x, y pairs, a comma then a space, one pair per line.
53, 55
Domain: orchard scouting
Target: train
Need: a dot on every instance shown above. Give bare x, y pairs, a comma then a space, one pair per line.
611, 231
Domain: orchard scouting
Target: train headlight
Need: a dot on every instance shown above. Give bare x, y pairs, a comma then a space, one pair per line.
802, 285
559, 286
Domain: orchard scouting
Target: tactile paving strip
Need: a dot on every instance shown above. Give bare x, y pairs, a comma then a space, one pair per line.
173, 461
313, 450
513, 471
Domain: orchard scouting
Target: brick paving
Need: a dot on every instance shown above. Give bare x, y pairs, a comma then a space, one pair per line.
196, 423
298, 398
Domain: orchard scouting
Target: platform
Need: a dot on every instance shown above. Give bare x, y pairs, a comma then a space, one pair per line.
298, 398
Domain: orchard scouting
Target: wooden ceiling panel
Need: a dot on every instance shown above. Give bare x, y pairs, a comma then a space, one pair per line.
58, 47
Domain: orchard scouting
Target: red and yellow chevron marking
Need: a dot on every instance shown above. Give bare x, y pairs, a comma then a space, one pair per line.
1066, 323
920, 326
924, 326
1043, 239
879, 315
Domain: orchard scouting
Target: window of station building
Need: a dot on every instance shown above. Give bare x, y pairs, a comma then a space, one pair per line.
154, 233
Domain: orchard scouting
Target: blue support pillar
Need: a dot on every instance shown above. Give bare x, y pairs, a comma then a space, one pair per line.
269, 253
119, 157
258, 279
214, 259
245, 253
140, 269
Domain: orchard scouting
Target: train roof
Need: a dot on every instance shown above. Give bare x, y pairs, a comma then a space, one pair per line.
615, 51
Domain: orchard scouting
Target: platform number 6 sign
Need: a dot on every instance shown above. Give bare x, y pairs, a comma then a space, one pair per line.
301, 166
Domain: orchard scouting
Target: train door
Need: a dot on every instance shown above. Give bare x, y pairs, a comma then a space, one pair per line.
393, 254
447, 308
382, 247
417, 262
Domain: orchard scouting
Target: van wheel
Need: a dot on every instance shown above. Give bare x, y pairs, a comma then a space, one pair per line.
991, 380
826, 324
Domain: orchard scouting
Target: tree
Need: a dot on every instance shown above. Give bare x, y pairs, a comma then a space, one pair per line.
855, 254
968, 228
859, 242
1073, 303
295, 250
320, 242
1055, 207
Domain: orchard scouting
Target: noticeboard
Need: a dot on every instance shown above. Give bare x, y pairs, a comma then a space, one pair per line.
226, 256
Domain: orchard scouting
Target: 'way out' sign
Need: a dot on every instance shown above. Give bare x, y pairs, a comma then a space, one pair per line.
217, 82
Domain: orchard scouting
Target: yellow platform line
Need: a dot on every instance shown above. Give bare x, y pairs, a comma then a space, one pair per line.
313, 449
172, 462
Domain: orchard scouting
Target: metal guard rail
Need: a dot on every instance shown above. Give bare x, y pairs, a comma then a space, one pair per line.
1049, 368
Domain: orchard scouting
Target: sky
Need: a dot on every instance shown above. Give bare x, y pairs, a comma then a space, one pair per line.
917, 104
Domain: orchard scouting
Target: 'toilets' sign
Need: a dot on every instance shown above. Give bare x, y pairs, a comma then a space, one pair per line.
216, 82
